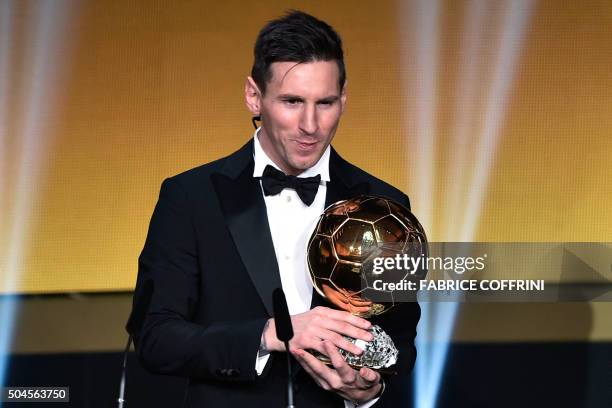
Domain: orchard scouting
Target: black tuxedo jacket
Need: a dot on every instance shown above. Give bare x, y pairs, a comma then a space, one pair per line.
210, 257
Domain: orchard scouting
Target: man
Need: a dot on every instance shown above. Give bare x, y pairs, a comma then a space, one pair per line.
222, 238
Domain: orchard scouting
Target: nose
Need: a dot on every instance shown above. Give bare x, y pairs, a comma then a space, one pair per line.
308, 120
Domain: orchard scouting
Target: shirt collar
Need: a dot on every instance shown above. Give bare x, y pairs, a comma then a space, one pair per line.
262, 160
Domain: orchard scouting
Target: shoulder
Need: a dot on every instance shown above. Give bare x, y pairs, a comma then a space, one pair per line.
359, 176
197, 175
199, 178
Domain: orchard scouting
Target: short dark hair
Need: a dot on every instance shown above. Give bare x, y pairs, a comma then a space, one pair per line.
295, 37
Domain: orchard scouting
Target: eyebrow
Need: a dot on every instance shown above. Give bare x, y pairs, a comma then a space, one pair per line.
331, 98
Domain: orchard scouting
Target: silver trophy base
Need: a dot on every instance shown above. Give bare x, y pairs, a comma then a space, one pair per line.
380, 354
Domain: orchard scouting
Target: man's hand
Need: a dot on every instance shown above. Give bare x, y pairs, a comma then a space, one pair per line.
322, 329
357, 386
321, 323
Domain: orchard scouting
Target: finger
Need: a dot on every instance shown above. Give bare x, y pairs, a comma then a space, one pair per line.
317, 368
370, 377
340, 342
360, 302
345, 328
346, 372
359, 309
354, 299
300, 356
344, 317
337, 297
316, 343
328, 330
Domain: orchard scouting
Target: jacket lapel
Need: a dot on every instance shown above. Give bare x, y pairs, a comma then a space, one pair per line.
344, 183
245, 213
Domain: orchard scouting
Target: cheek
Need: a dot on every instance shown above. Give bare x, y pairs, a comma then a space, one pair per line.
283, 118
330, 119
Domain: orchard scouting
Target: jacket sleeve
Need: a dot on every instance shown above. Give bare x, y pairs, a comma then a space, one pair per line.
169, 342
401, 325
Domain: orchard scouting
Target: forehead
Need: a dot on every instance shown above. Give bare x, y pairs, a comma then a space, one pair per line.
318, 78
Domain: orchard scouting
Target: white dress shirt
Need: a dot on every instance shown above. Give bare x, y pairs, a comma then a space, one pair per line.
291, 224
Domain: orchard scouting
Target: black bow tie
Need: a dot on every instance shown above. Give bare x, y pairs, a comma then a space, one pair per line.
274, 181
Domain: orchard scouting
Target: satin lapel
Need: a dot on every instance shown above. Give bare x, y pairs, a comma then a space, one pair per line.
245, 213
344, 181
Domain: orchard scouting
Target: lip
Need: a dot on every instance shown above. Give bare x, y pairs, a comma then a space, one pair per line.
306, 146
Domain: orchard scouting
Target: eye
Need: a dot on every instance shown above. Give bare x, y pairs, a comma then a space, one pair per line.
326, 104
292, 101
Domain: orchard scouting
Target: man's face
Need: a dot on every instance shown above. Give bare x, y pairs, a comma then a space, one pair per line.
300, 113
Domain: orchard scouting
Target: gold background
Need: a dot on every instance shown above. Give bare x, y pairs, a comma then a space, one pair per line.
147, 89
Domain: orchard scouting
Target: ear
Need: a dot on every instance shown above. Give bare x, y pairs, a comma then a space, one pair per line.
252, 96
343, 95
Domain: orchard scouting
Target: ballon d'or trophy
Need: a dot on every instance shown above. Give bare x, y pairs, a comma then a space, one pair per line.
342, 250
